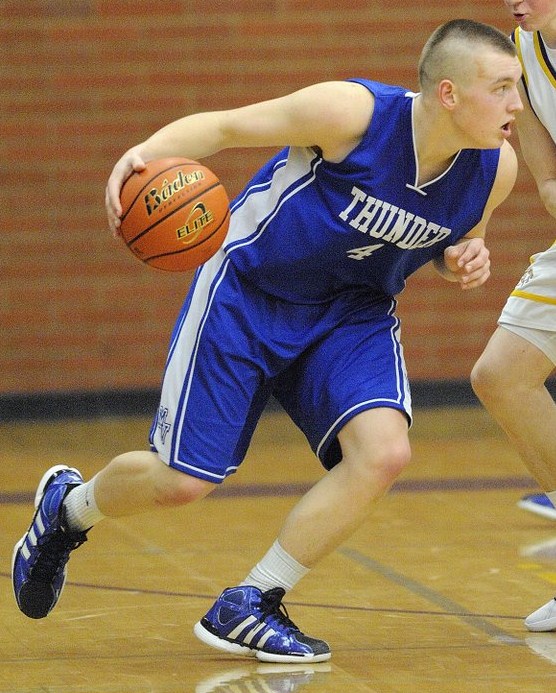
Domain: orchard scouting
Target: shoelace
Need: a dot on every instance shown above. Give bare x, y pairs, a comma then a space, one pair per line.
54, 554
271, 605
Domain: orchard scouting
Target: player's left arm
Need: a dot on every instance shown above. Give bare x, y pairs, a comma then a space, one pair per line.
468, 261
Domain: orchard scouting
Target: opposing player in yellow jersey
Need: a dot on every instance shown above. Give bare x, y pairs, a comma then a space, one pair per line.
510, 376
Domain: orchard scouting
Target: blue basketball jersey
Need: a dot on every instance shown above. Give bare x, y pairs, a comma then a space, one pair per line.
299, 302
305, 229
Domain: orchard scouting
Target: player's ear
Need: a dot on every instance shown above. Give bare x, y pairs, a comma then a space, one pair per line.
447, 94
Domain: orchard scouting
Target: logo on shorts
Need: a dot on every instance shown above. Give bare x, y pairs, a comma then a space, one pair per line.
163, 424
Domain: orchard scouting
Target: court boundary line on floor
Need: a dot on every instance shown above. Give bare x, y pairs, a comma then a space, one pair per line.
495, 483
423, 592
459, 611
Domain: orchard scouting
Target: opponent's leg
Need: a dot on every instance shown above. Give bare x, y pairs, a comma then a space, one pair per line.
509, 379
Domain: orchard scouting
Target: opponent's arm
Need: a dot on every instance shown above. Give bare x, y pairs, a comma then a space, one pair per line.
331, 115
539, 151
468, 261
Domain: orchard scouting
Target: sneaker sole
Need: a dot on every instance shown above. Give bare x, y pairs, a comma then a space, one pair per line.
219, 643
291, 659
46, 478
548, 513
233, 648
543, 627
549, 624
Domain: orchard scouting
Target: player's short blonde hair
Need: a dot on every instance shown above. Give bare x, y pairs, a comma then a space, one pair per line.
448, 51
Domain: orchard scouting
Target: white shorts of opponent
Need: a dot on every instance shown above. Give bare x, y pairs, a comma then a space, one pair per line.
530, 310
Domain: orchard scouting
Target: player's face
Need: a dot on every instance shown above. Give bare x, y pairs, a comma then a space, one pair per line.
489, 101
533, 15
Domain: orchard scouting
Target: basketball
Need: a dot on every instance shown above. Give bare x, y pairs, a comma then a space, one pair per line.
175, 214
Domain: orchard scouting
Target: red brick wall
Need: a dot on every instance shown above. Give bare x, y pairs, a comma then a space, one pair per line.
82, 80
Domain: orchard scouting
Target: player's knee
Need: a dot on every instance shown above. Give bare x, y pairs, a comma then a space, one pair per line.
486, 380
381, 467
478, 379
393, 461
180, 489
166, 486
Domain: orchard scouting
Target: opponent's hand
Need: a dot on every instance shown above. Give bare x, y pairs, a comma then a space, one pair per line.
469, 262
131, 161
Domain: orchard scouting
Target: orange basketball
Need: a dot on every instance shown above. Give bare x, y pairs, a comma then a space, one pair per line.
176, 214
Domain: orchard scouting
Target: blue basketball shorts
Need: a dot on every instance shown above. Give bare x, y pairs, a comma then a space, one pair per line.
233, 347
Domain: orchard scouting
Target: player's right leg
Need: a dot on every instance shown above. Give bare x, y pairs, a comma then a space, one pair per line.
131, 483
40, 556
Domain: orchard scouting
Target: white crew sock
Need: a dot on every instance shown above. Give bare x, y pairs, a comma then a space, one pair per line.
552, 496
276, 569
81, 508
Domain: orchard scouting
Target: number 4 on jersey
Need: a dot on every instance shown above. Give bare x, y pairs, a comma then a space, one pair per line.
365, 251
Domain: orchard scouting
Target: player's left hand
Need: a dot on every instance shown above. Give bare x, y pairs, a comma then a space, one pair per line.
469, 262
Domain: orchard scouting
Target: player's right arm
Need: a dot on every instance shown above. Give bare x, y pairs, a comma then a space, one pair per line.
332, 116
539, 151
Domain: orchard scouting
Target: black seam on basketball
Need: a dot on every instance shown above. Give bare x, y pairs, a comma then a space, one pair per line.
158, 173
177, 209
189, 247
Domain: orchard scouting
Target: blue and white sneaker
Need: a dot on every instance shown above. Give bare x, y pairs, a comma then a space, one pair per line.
40, 556
248, 622
538, 503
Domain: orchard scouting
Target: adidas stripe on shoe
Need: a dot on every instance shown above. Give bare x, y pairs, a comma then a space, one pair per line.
40, 556
248, 622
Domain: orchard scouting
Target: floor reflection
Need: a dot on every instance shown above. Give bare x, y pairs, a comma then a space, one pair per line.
265, 678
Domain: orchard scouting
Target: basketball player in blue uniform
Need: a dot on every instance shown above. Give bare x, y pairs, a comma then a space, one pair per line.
510, 376
374, 182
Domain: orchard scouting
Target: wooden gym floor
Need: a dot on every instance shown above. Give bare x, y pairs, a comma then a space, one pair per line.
428, 596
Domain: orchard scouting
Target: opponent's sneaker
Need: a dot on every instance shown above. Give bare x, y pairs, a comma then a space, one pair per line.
40, 556
248, 622
543, 619
538, 503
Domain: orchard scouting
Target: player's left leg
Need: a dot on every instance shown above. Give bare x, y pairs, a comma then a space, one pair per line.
509, 379
347, 391
510, 376
247, 620
375, 449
